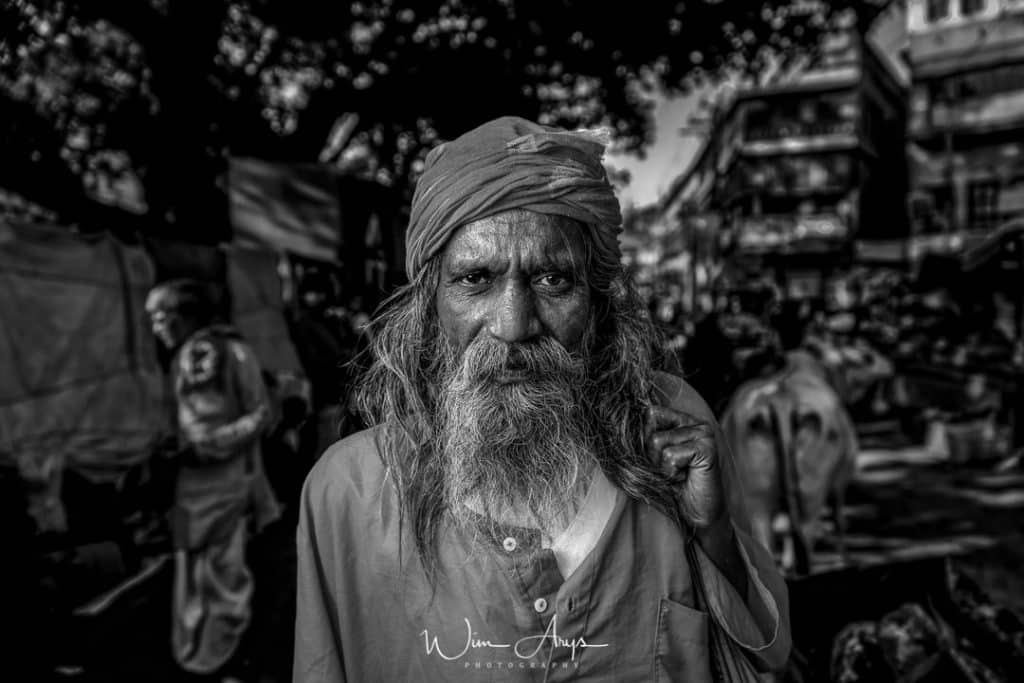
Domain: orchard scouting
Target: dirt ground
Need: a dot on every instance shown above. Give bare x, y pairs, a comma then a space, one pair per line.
906, 504
916, 522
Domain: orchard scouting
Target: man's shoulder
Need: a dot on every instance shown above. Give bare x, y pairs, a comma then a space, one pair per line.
675, 392
235, 345
351, 467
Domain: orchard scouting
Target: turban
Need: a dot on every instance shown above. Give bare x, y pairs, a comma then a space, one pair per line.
511, 163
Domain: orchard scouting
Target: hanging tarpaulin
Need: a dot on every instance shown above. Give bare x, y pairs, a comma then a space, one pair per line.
81, 386
285, 207
256, 308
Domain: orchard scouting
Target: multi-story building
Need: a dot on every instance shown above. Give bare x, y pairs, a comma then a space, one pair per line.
966, 153
795, 170
966, 117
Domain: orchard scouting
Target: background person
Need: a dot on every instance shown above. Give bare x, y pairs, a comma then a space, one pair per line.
222, 409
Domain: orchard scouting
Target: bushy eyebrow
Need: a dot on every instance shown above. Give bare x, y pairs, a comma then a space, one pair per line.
561, 260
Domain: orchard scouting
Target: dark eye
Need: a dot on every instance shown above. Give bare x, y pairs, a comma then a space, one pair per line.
555, 281
474, 278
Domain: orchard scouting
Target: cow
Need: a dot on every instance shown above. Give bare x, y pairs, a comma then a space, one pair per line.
795, 448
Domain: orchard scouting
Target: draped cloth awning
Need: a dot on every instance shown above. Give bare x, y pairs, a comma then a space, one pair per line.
285, 207
256, 309
81, 384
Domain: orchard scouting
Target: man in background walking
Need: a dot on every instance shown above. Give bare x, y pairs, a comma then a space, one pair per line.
222, 410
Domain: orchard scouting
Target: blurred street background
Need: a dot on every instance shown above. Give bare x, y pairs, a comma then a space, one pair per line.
844, 179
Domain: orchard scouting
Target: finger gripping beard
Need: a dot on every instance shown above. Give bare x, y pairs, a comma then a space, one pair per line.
513, 432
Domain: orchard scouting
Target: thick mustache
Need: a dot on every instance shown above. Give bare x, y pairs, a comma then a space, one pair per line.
492, 358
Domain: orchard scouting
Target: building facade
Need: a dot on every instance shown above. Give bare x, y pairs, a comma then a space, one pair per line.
796, 171
966, 117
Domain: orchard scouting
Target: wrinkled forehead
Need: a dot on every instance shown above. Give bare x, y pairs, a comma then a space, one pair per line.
538, 238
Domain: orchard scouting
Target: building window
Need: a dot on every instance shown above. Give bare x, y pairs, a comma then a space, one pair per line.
1000, 79
983, 205
931, 210
937, 10
971, 7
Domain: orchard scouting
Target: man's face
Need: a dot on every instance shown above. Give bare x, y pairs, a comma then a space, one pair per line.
514, 277
514, 310
168, 325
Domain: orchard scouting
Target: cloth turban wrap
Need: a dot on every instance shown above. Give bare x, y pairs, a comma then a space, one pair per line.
506, 164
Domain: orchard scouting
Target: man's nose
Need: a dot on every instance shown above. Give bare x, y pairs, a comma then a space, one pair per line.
515, 318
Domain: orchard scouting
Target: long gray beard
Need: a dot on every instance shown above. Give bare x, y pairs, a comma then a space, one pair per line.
517, 452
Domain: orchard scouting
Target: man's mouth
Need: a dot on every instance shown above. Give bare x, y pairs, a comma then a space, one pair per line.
513, 376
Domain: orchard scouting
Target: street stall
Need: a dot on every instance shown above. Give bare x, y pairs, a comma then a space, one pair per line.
82, 411
997, 266
338, 252
959, 356
321, 214
86, 427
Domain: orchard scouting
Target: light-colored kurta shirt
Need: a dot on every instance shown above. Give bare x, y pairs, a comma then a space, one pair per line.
502, 609
222, 407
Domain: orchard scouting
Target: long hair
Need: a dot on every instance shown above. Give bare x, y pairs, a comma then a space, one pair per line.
400, 390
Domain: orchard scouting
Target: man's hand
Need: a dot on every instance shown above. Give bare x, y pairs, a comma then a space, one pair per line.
223, 441
685, 449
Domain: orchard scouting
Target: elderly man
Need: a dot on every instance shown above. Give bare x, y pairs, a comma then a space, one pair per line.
536, 501
222, 409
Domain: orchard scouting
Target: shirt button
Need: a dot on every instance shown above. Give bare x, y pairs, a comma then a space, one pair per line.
509, 544
539, 605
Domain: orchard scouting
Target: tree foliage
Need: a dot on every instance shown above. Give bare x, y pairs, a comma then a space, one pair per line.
94, 93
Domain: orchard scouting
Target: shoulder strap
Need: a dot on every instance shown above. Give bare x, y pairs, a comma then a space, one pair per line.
701, 603
728, 663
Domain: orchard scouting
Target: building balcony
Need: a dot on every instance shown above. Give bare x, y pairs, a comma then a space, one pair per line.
959, 40
802, 144
800, 129
997, 112
790, 233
